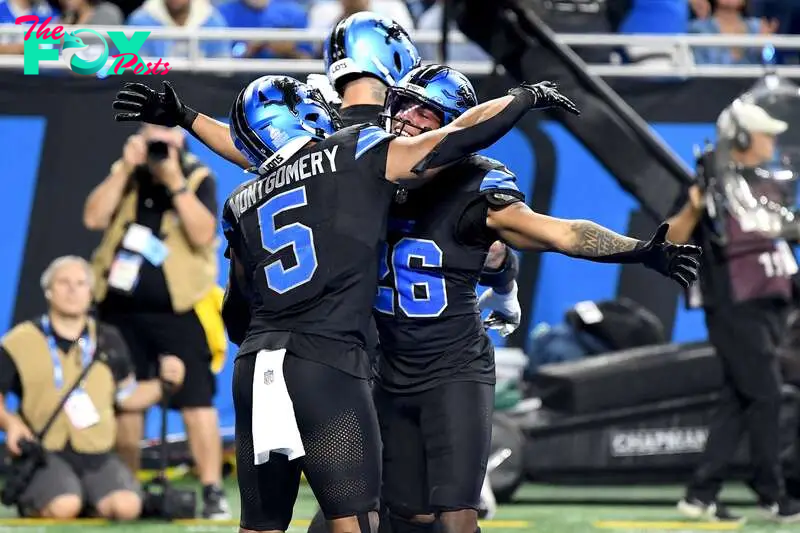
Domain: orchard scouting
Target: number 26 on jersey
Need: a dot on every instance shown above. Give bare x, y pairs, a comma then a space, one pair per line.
407, 279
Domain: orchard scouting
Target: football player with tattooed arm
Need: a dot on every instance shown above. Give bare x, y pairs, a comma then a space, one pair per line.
303, 237
435, 389
363, 56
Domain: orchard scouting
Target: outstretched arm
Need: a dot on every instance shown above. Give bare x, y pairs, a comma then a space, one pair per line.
216, 135
478, 128
139, 103
522, 228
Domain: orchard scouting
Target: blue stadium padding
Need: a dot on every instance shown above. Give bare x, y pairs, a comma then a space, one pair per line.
20, 151
583, 189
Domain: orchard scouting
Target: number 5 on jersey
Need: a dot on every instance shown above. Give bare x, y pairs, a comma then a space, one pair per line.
296, 235
420, 293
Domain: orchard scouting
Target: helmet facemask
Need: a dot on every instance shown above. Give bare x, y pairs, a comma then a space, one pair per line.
407, 114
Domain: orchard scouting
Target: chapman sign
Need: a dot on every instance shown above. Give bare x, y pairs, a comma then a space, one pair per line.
648, 442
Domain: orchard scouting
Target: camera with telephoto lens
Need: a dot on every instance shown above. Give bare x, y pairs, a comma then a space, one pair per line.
157, 151
21, 471
163, 501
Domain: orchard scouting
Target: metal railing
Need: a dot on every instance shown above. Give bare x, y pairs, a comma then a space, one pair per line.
677, 49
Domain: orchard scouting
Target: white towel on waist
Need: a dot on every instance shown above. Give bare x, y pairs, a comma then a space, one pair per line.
274, 424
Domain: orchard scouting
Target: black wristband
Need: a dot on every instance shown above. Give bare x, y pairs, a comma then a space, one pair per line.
504, 275
187, 118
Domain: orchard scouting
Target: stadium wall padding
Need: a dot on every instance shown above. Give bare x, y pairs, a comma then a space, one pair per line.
58, 139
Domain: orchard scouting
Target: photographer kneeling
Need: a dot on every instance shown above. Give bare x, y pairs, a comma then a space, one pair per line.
40, 361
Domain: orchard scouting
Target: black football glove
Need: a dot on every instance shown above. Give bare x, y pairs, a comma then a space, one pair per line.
681, 262
546, 95
140, 103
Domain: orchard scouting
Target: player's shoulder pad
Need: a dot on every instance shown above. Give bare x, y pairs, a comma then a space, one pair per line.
369, 137
499, 184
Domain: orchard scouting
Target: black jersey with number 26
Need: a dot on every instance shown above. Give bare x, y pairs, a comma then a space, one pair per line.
426, 306
307, 235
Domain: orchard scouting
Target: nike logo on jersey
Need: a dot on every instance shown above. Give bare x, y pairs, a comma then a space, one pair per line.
307, 166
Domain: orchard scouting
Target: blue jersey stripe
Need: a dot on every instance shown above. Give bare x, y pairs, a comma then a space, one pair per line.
499, 179
368, 138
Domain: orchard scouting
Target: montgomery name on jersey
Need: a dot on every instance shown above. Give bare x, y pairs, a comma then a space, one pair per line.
426, 306
306, 234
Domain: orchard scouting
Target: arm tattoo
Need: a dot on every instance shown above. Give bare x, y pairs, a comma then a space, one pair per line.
593, 240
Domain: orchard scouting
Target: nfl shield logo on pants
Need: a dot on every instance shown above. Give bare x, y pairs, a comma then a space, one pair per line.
269, 377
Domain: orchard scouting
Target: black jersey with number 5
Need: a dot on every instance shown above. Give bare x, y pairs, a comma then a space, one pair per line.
307, 235
426, 306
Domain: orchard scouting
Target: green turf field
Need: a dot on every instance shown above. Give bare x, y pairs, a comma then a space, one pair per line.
544, 509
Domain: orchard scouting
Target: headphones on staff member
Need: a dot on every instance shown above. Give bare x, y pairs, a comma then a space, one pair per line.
741, 139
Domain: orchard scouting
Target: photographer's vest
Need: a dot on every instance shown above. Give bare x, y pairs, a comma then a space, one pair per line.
190, 272
31, 353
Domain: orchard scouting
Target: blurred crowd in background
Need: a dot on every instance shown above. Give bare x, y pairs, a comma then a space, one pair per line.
730, 17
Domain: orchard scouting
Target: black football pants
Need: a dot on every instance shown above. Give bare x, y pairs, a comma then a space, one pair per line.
339, 428
746, 337
436, 445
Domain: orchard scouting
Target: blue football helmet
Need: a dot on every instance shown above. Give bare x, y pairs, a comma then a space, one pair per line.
273, 111
445, 91
367, 44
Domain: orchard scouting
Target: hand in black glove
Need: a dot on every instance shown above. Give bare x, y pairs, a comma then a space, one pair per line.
680, 262
546, 95
143, 104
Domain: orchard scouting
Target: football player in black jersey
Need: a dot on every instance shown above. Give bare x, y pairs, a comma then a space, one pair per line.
303, 236
435, 388
363, 55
